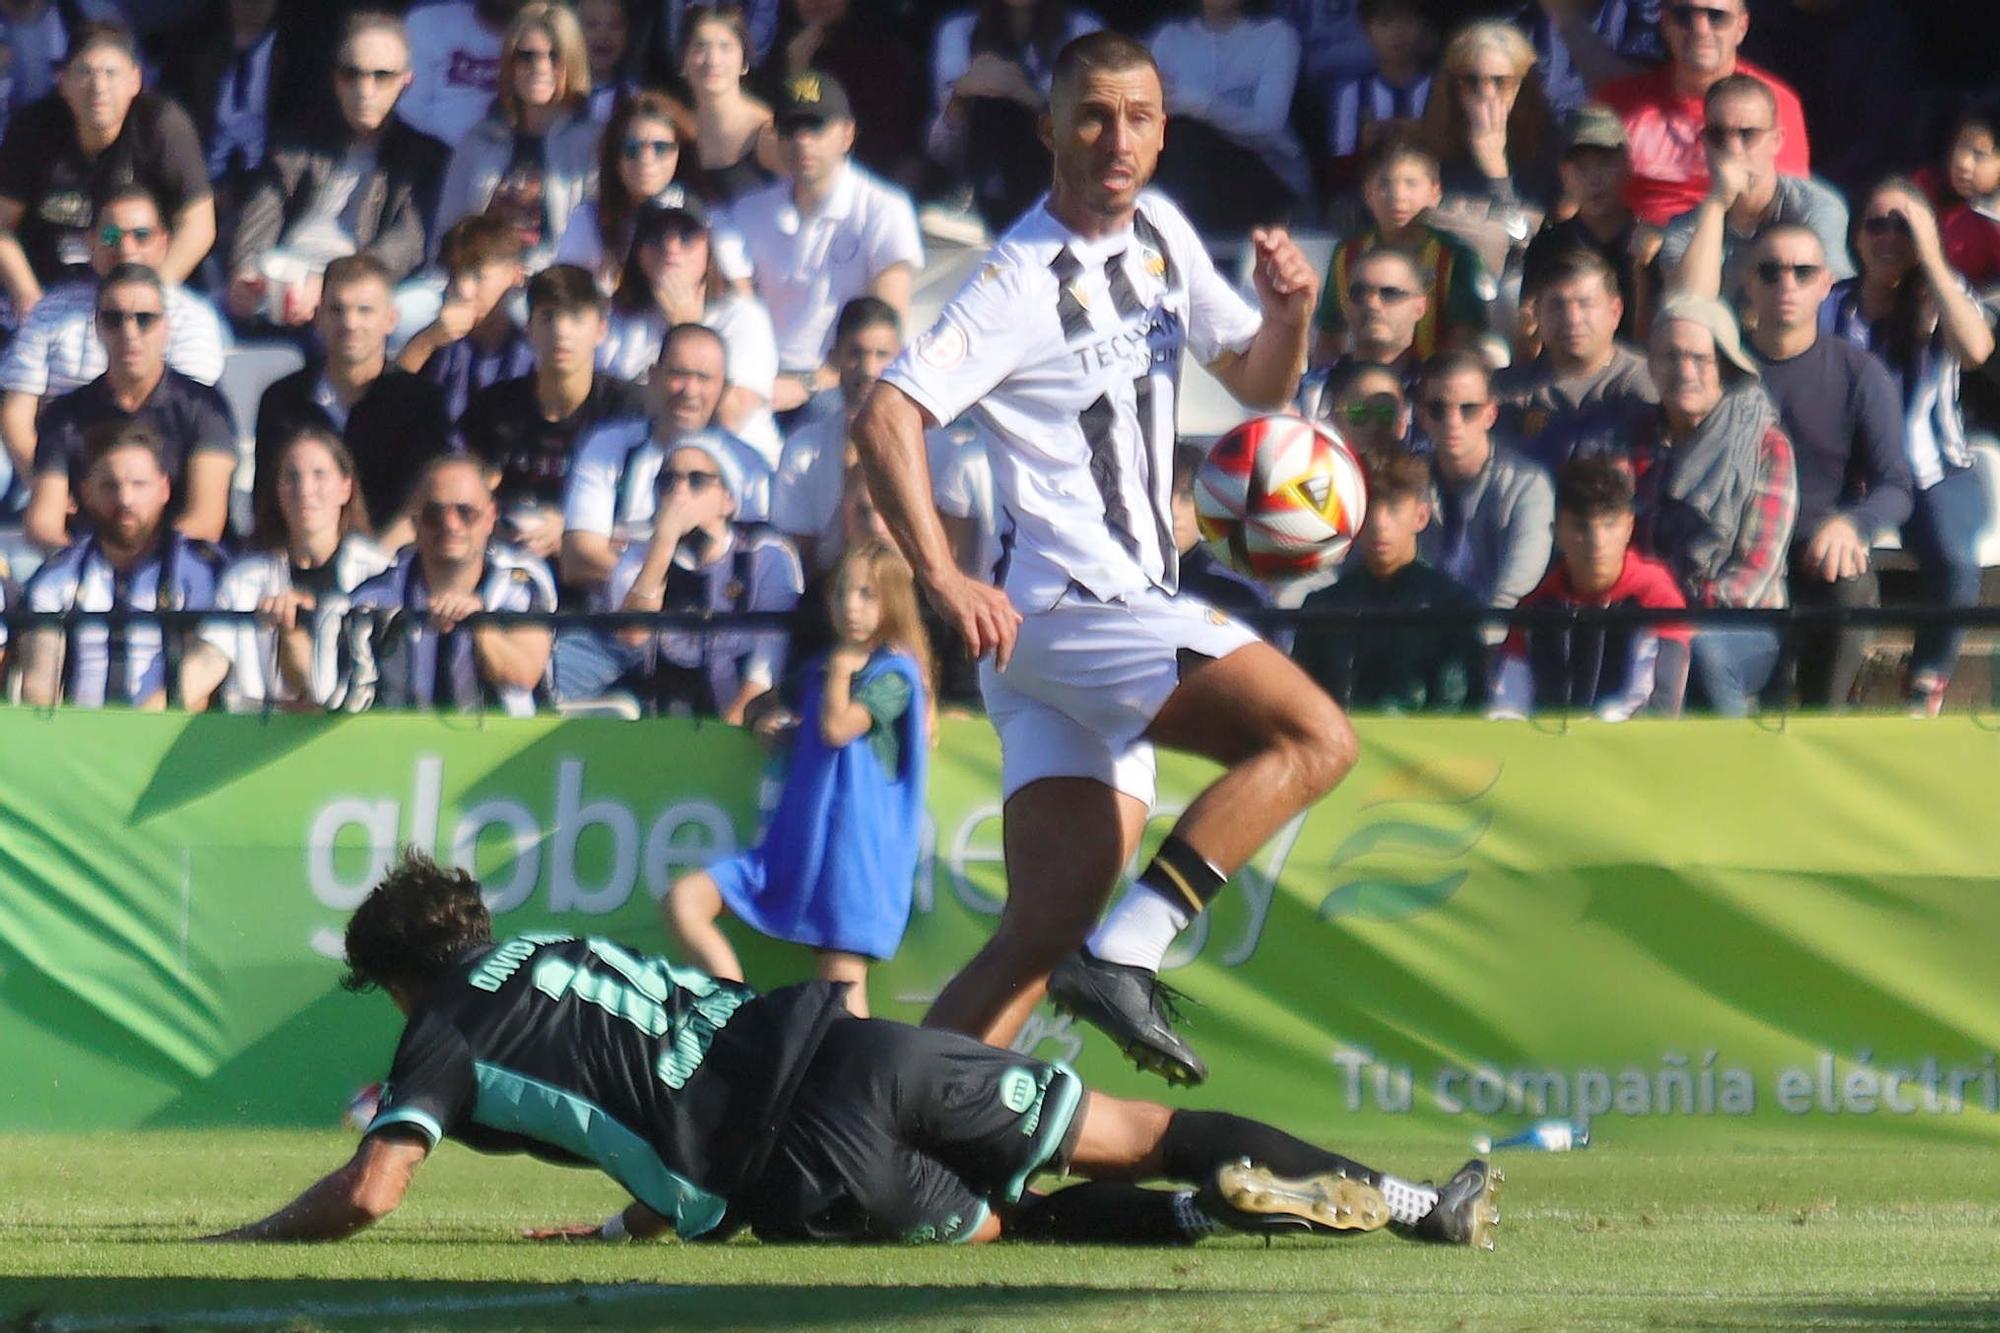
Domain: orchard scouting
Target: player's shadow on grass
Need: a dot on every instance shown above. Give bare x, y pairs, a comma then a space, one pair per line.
120, 1303
1856, 1312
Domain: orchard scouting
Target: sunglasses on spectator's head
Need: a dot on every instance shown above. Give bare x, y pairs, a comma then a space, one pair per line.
696, 482
1771, 272
1443, 409
1377, 409
112, 235
1360, 292
356, 74
143, 320
1889, 224
634, 149
434, 512
1683, 16
1722, 136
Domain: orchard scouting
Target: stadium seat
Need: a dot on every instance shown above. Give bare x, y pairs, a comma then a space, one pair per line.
248, 370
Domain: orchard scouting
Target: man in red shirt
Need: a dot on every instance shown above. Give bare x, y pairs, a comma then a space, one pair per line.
1662, 108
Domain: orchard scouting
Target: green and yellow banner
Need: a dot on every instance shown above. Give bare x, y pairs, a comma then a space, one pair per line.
1670, 929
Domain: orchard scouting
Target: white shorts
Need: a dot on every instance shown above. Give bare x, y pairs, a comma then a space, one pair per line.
1087, 678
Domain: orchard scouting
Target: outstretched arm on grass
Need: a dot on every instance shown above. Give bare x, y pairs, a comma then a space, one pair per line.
361, 1193
636, 1222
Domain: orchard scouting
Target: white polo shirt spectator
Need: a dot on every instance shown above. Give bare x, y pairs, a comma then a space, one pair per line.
454, 67
806, 492
806, 268
612, 483
407, 656
57, 348
631, 347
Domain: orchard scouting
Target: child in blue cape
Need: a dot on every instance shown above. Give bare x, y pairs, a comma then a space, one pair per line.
838, 864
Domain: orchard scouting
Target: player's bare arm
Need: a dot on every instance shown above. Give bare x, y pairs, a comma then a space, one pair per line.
1266, 374
634, 1222
889, 433
354, 1197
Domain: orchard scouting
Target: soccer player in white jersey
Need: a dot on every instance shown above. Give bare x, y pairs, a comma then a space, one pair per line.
1068, 344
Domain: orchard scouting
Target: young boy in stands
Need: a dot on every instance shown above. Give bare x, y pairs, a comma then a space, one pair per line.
1400, 189
1607, 671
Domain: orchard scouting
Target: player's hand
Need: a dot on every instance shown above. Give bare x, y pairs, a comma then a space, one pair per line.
574, 1231
449, 609
1286, 285
281, 610
1836, 551
982, 614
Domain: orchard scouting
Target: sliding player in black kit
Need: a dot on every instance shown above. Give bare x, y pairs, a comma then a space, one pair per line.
719, 1108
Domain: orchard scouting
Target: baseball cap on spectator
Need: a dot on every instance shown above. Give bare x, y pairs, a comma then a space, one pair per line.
726, 464
1713, 315
1594, 126
811, 98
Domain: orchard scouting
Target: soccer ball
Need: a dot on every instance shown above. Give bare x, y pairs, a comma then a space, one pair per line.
1284, 496
361, 1108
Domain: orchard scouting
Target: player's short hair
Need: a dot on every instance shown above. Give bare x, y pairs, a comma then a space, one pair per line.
477, 240
1446, 364
111, 437
1103, 50
1739, 85
1573, 262
132, 275
1395, 474
867, 312
565, 289
91, 34
1396, 147
1588, 487
414, 925
356, 268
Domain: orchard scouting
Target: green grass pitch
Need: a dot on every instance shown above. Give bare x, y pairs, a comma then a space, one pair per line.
95, 1236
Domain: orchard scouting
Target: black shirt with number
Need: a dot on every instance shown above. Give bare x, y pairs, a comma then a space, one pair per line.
578, 1051
43, 168
505, 428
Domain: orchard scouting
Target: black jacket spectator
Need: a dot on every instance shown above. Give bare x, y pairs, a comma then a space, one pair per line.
504, 427
399, 198
397, 426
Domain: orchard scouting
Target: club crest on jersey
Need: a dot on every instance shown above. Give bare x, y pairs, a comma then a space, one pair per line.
944, 347
1156, 263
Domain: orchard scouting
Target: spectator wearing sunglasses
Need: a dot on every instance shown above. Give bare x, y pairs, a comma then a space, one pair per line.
1585, 387
1385, 307
1704, 248
57, 348
700, 559
367, 185
1367, 402
1845, 419
428, 657
1495, 508
1664, 113
197, 437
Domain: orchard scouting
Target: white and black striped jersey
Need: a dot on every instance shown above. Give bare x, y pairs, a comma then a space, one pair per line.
105, 662
1069, 352
421, 668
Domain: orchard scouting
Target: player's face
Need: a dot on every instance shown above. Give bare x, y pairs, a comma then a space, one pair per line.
689, 383
1401, 190
1788, 281
857, 605
1106, 133
99, 86
861, 357
126, 495
1686, 369
373, 71
312, 490
355, 320
1388, 534
1593, 546
454, 516
1457, 412
1579, 316
132, 323
565, 340
128, 232
1702, 35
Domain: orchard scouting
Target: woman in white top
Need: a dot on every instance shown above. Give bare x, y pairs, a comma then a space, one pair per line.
1231, 161
735, 147
671, 276
308, 550
533, 159
990, 69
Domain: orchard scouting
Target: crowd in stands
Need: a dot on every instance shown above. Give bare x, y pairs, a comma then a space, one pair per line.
1656, 303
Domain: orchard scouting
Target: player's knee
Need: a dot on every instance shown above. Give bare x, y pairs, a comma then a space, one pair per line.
1322, 747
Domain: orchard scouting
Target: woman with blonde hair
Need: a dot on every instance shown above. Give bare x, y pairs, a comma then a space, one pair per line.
1489, 123
533, 158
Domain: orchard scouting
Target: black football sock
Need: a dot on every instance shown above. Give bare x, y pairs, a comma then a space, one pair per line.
1110, 1212
1198, 1142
